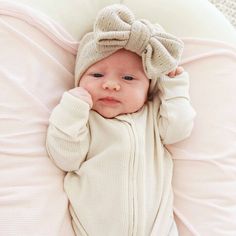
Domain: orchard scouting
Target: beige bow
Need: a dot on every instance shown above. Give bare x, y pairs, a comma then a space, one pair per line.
116, 28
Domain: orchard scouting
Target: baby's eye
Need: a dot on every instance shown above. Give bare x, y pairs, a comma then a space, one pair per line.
128, 77
97, 75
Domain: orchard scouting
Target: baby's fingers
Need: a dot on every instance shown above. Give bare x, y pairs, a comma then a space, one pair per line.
179, 70
176, 72
82, 94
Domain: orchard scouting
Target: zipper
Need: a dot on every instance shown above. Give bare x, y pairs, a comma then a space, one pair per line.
132, 192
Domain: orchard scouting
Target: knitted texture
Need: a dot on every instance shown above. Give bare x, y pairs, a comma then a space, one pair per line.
115, 28
228, 8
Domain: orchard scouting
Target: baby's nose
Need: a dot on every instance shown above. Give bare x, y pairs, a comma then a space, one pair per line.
112, 85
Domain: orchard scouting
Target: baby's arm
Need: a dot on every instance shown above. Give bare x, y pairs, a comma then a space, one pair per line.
68, 136
176, 114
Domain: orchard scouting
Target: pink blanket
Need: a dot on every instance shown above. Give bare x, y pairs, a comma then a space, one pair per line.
36, 66
204, 178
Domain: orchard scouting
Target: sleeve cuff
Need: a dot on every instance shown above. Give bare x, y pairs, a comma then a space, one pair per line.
175, 87
70, 114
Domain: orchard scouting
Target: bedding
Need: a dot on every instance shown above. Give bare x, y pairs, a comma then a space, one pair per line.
204, 165
38, 44
184, 18
36, 66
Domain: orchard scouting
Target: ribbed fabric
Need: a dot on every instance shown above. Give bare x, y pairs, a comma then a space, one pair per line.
119, 173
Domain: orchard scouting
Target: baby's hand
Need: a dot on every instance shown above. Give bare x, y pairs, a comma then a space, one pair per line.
82, 94
176, 72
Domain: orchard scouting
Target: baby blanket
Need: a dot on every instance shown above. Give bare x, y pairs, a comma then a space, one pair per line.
36, 66
204, 165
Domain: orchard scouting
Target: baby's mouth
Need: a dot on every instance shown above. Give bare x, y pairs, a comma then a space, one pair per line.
109, 100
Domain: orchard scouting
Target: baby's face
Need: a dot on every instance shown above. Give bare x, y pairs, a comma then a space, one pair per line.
117, 84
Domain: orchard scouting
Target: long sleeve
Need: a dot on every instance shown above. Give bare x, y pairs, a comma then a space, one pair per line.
176, 115
68, 137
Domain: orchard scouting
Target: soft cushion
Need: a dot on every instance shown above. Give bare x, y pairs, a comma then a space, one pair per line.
185, 18
36, 67
204, 165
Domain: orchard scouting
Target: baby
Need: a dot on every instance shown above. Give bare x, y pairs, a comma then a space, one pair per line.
110, 132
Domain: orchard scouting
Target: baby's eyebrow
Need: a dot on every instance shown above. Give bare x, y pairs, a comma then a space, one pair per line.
96, 68
93, 70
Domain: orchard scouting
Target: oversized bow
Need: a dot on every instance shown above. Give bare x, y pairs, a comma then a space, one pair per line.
116, 28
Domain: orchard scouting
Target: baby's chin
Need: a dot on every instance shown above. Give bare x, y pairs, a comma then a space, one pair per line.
108, 115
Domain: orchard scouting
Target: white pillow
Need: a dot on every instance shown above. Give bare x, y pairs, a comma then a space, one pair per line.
76, 16
185, 18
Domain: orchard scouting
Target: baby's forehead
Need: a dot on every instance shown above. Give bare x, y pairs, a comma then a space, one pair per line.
121, 59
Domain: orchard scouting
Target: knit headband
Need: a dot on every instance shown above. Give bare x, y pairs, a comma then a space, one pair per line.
116, 28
